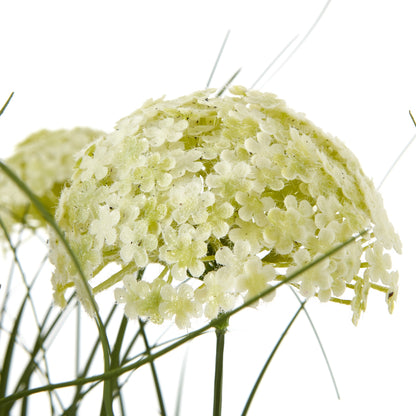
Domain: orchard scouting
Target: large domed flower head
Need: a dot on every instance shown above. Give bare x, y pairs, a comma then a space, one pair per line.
228, 195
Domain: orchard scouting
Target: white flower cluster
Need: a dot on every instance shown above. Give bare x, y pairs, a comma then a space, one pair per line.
228, 195
44, 161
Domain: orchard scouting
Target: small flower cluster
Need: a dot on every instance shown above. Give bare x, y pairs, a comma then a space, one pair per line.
228, 195
44, 161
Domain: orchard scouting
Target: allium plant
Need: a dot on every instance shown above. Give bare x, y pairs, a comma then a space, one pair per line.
194, 207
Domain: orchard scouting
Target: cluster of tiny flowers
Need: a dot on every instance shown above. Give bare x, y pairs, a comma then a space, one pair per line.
228, 195
44, 161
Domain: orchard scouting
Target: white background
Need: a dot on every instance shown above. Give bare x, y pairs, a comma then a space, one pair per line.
90, 63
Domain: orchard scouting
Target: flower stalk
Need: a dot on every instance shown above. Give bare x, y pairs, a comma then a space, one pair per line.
220, 330
219, 367
156, 381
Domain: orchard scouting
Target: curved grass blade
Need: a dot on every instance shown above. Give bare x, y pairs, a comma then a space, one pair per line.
133, 341
302, 41
269, 359
320, 345
78, 339
22, 273
181, 383
396, 161
273, 62
6, 103
6, 291
79, 394
13, 338
13, 248
115, 360
38, 347
226, 85
8, 357
218, 59
32, 365
153, 369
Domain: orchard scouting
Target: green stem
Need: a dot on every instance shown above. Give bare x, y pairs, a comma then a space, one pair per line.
180, 385
225, 86
219, 361
153, 368
6, 104
319, 342
269, 360
73, 408
115, 278
220, 330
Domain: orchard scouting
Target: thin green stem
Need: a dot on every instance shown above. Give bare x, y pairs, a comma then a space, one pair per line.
396, 161
217, 60
13, 339
320, 344
153, 369
115, 278
269, 360
225, 86
273, 62
22, 273
79, 394
133, 341
219, 368
181, 383
6, 103
115, 360
7, 362
77, 340
302, 41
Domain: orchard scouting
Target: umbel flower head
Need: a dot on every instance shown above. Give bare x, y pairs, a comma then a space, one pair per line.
228, 195
44, 161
